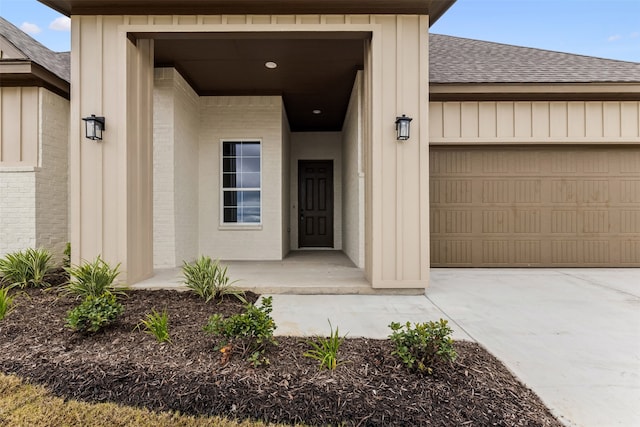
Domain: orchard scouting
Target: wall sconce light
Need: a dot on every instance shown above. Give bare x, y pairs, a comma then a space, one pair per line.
402, 127
94, 127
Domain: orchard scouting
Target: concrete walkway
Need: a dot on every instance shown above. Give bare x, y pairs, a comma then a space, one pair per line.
572, 335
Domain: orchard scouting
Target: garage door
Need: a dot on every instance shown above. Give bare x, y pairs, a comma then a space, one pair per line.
535, 206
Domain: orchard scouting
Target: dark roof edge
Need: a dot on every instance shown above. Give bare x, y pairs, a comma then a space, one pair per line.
535, 92
26, 73
295, 7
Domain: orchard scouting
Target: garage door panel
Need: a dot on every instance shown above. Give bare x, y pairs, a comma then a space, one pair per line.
630, 252
535, 206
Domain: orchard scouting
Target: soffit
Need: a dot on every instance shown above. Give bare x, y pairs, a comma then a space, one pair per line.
315, 71
433, 8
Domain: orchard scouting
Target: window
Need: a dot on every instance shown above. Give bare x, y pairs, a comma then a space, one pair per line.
241, 182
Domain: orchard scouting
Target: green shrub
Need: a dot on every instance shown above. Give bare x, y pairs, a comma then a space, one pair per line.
94, 313
249, 333
156, 324
209, 280
6, 302
92, 279
66, 260
325, 350
26, 268
424, 345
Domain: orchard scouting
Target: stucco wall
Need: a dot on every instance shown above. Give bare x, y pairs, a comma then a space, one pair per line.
317, 146
353, 178
244, 118
33, 171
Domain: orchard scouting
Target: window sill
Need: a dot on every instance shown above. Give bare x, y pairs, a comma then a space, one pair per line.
240, 227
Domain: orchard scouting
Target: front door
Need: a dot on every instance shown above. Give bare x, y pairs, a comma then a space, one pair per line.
315, 203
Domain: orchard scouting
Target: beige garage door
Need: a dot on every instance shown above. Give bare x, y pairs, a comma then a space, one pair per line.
535, 206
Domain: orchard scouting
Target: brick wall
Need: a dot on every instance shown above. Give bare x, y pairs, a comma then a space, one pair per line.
175, 169
52, 181
245, 117
164, 249
17, 209
353, 178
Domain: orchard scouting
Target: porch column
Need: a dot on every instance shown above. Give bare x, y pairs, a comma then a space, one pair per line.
111, 180
397, 179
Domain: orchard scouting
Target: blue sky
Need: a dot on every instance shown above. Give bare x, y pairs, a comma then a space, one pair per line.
603, 28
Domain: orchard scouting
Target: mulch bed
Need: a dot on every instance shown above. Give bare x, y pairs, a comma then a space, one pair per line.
129, 367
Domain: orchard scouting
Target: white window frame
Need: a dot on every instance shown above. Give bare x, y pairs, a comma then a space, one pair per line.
239, 225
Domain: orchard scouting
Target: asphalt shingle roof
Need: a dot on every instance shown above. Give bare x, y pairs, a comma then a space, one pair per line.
460, 60
56, 62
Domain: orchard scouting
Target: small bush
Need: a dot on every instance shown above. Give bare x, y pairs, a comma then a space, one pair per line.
94, 313
325, 350
26, 268
424, 345
249, 333
6, 302
66, 260
209, 280
92, 279
156, 324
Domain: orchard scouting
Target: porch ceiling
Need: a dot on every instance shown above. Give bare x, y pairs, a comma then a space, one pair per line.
433, 8
314, 71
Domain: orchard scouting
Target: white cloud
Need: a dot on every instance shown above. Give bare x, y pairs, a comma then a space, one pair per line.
62, 23
635, 35
30, 28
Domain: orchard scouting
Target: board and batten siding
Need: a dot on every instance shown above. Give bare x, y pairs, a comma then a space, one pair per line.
575, 122
19, 126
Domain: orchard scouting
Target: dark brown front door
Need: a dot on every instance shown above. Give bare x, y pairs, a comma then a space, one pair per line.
315, 203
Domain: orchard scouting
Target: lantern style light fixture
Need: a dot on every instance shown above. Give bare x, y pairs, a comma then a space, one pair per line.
94, 127
402, 127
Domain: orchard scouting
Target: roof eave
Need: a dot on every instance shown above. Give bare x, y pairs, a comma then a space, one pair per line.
578, 91
434, 8
21, 73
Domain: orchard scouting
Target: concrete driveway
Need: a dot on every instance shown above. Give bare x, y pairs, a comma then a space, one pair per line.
572, 335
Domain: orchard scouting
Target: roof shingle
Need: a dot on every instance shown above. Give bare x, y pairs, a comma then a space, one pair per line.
56, 62
460, 60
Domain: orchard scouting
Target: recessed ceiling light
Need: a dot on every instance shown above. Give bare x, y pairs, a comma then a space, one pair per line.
270, 65
317, 111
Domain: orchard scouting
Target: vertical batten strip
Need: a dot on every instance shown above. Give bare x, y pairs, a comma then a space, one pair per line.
75, 185
399, 148
100, 202
20, 124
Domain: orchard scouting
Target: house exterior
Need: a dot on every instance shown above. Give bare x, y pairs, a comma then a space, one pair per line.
535, 157
245, 131
34, 139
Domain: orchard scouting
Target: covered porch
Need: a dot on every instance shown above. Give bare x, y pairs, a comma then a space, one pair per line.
300, 272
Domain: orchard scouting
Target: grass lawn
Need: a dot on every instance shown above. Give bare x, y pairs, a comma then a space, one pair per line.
24, 404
